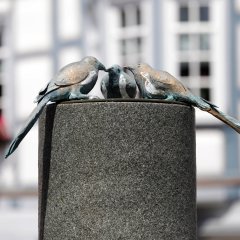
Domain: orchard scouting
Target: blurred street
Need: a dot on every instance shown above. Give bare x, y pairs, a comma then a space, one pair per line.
19, 219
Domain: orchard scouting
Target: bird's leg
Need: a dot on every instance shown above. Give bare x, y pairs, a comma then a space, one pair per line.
93, 97
77, 96
75, 93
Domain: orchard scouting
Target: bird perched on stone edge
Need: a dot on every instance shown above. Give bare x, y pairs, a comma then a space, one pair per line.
74, 81
118, 84
154, 84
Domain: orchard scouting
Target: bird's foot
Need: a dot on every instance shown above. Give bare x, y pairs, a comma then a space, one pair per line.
82, 96
73, 96
93, 97
169, 98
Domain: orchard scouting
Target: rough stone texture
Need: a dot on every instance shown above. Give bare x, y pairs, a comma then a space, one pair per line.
117, 170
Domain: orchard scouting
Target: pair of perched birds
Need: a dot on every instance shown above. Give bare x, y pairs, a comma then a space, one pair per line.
76, 80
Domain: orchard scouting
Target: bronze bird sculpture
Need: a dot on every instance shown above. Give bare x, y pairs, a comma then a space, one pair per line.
154, 84
118, 84
73, 81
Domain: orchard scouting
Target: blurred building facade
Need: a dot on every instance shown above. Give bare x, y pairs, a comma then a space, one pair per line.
195, 40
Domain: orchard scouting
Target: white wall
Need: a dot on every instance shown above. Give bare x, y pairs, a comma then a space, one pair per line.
31, 25
210, 143
69, 20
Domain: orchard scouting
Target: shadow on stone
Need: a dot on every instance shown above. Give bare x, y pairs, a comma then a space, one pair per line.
47, 119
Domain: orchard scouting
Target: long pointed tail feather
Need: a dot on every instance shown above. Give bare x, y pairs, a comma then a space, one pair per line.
232, 122
28, 125
211, 104
207, 106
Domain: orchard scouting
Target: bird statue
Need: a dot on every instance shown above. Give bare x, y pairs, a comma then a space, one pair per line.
72, 82
118, 84
154, 84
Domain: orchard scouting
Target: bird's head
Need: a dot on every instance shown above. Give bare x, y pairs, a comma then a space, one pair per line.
136, 72
130, 68
115, 69
137, 68
95, 62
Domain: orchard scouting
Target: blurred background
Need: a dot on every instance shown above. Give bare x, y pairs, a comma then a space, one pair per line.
197, 41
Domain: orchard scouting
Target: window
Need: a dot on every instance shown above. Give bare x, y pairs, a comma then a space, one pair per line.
184, 69
193, 41
194, 47
130, 38
123, 18
130, 15
183, 13
204, 13
204, 42
1, 37
131, 46
131, 50
184, 42
205, 93
204, 69
192, 11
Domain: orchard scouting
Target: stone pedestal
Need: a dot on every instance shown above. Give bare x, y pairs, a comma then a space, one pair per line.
117, 170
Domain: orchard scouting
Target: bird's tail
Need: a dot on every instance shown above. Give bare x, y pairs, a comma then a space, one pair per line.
28, 125
201, 103
207, 106
232, 122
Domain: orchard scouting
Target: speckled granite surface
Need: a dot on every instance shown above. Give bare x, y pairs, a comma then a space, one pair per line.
117, 170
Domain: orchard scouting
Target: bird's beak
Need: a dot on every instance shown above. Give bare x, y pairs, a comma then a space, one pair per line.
102, 67
128, 68
109, 69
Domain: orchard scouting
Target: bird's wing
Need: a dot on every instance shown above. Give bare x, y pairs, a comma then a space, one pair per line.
41, 93
130, 80
44, 89
131, 86
50, 87
169, 82
105, 85
151, 85
122, 84
145, 75
152, 80
75, 73
105, 81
